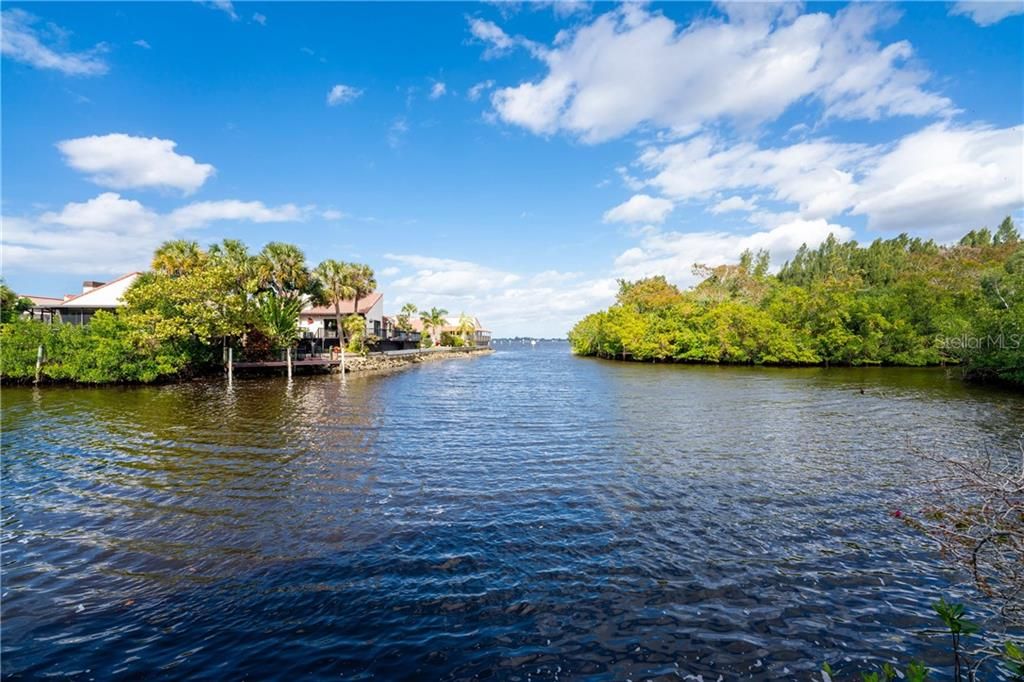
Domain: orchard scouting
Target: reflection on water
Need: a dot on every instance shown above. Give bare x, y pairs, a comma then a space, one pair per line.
521, 514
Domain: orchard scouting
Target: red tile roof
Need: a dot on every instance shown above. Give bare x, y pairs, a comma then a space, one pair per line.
365, 304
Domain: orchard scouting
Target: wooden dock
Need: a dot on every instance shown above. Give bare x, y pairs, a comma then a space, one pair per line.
328, 362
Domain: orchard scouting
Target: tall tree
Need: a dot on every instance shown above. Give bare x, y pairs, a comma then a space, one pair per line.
337, 283
11, 305
1007, 233
404, 317
283, 270
465, 327
178, 257
434, 320
363, 281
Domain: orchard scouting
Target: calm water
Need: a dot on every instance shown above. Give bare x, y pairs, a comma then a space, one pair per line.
526, 515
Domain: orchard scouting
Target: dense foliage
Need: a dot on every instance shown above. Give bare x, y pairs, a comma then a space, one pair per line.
901, 301
180, 318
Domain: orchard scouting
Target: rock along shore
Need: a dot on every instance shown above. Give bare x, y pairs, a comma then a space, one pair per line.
378, 363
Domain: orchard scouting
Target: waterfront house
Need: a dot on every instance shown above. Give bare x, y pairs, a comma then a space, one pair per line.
480, 335
95, 296
42, 307
318, 322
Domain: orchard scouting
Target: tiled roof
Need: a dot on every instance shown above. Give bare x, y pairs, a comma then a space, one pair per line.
365, 304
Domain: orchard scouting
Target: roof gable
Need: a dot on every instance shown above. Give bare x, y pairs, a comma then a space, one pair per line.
106, 296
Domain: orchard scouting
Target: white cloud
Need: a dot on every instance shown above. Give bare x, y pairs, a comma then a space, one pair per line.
106, 234
111, 234
108, 211
142, 43
437, 90
203, 213
734, 203
817, 176
987, 12
478, 89
340, 94
944, 180
489, 32
122, 162
640, 208
260, 19
225, 6
448, 276
631, 67
390, 271
24, 43
673, 254
542, 304
498, 42
332, 214
940, 181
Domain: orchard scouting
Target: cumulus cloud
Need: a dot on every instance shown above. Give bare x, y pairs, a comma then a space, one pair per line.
203, 213
112, 234
987, 12
632, 67
122, 161
733, 203
108, 211
944, 180
340, 94
260, 19
448, 276
941, 180
546, 303
142, 43
673, 254
437, 90
640, 208
817, 175
24, 42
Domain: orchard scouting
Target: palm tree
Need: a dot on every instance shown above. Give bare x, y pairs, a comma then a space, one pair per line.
282, 269
364, 283
408, 310
433, 320
280, 318
466, 327
177, 257
336, 282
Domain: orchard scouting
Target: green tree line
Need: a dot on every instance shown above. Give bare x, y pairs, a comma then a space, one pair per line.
900, 301
179, 318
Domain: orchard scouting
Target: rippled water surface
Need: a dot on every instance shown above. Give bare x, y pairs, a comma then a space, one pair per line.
521, 515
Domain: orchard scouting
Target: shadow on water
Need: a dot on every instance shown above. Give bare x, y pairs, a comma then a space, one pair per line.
523, 513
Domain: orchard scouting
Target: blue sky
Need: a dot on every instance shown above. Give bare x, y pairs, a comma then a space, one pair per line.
509, 160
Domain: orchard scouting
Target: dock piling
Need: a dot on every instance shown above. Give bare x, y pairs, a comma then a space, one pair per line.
39, 362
